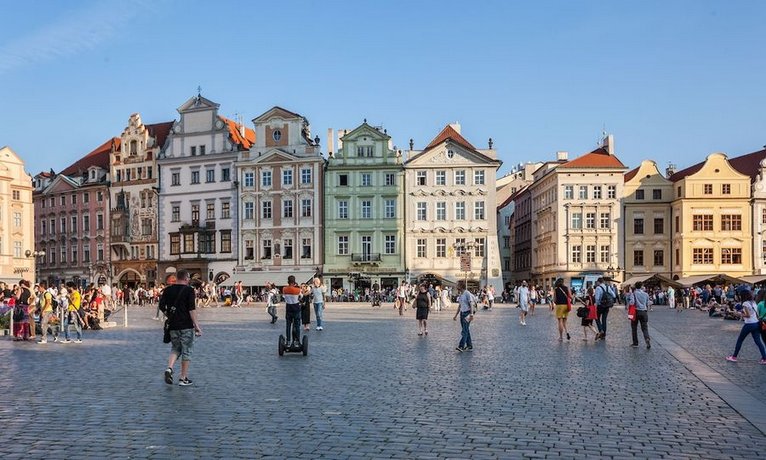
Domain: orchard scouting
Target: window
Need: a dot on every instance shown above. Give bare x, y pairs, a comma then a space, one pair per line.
638, 257
99, 221
249, 253
210, 211
707, 189
276, 135
306, 207
226, 241
638, 226
390, 179
86, 223
420, 248
18, 224
604, 254
763, 216
389, 244
590, 253
305, 176
702, 256
420, 178
63, 201
17, 196
17, 221
202, 149
478, 210
343, 209
53, 226
731, 222
639, 194
225, 177
611, 192
479, 247
249, 179
441, 247
460, 210
583, 192
207, 242
193, 150
175, 178
175, 214
74, 197
265, 178
390, 206
266, 210
568, 192
659, 257
576, 254
656, 194
441, 210
366, 180
459, 246
287, 248
576, 220
195, 212
266, 249
17, 249
702, 223
605, 221
287, 208
590, 220
506, 241
225, 210
52, 202
86, 254
43, 230
678, 192
209, 175
366, 209
678, 223
195, 177
306, 248
659, 225
478, 177
460, 177
731, 256
74, 255
343, 180
441, 177
596, 192
249, 210
86, 197
421, 210
343, 245
287, 177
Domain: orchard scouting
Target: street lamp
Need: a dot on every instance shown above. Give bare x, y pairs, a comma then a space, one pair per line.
36, 254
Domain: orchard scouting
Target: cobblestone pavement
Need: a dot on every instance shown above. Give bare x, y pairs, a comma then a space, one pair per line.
371, 388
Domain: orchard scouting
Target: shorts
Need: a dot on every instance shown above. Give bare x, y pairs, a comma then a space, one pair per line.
182, 343
562, 311
524, 306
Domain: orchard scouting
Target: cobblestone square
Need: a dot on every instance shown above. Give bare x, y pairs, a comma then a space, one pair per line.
372, 388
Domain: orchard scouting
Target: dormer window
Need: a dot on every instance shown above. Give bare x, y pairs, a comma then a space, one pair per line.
92, 174
277, 135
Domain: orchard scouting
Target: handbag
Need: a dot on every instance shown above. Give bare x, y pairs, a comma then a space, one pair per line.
582, 312
592, 312
632, 312
166, 334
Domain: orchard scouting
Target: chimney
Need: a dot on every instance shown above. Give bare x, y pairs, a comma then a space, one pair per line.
670, 170
609, 144
330, 139
456, 127
562, 155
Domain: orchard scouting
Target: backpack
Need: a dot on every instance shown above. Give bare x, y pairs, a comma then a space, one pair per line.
607, 299
18, 313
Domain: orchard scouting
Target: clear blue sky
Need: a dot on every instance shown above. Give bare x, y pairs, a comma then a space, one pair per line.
670, 79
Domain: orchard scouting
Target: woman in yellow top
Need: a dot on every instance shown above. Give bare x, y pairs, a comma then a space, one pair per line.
72, 316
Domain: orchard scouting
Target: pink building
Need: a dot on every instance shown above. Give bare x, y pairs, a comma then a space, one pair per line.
72, 219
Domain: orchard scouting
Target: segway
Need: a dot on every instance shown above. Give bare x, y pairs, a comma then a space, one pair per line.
301, 347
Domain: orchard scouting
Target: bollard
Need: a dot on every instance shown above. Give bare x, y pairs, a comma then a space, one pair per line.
125, 314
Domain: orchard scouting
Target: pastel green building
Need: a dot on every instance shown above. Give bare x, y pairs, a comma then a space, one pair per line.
363, 211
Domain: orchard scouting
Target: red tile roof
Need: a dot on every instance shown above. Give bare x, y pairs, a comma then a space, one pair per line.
749, 164
160, 132
449, 133
236, 136
631, 174
98, 157
686, 172
598, 158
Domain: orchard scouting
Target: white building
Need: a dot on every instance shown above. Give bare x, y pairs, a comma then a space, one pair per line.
198, 192
450, 203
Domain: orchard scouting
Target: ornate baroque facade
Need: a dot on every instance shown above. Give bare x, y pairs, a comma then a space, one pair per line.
17, 237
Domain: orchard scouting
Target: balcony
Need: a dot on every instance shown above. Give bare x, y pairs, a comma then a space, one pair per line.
365, 257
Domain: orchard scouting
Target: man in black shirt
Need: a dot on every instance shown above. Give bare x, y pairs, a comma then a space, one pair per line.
177, 302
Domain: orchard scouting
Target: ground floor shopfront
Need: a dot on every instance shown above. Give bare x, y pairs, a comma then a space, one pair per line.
96, 274
200, 270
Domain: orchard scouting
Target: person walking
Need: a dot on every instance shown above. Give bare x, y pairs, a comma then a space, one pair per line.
46, 311
422, 307
760, 301
642, 302
561, 297
71, 296
751, 327
605, 298
465, 310
523, 296
178, 303
671, 297
318, 292
271, 302
292, 295
305, 306
587, 322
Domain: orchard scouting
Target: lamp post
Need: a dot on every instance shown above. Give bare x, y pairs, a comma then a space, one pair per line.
36, 254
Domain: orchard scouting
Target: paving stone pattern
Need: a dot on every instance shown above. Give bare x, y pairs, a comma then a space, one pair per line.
371, 388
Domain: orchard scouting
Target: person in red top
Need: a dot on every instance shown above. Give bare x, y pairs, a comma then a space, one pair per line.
292, 295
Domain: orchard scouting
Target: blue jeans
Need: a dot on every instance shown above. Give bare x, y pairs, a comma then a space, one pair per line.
71, 319
601, 319
318, 310
755, 330
465, 333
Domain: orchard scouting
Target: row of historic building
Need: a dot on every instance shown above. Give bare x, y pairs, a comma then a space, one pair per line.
590, 217
207, 194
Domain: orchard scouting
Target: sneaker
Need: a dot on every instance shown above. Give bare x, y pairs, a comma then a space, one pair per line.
66, 341
460, 349
184, 382
42, 341
648, 346
763, 361
169, 376
55, 339
469, 348
633, 345
78, 341
731, 358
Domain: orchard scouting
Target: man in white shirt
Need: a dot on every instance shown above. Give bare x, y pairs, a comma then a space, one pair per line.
523, 296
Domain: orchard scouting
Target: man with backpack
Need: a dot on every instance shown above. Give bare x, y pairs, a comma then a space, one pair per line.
605, 297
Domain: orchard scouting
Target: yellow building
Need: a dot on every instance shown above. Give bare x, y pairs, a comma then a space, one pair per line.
17, 258
712, 220
647, 195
